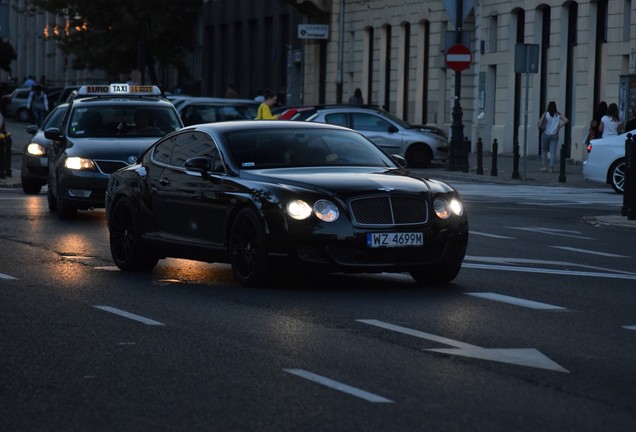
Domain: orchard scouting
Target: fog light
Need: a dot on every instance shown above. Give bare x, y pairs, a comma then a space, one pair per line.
79, 193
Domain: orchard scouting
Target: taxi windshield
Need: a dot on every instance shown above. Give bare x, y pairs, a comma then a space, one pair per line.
110, 121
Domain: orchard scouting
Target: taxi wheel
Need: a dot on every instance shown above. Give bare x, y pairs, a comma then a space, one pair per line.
65, 210
127, 248
418, 156
247, 249
30, 187
617, 176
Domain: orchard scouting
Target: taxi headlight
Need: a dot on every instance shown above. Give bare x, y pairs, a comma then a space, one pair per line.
445, 208
35, 149
77, 163
326, 211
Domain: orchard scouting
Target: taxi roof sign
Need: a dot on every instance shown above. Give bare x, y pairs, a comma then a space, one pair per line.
119, 89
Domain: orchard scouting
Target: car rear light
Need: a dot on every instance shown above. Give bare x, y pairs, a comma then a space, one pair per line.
589, 147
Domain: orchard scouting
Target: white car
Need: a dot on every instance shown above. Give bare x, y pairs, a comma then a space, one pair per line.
606, 161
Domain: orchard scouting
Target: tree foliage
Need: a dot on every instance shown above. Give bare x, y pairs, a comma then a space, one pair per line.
7, 54
119, 36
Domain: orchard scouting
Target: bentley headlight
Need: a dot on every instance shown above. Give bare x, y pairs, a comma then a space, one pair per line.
35, 149
298, 209
326, 211
445, 208
76, 163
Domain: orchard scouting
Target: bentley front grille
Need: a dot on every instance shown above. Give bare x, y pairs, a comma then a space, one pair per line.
388, 210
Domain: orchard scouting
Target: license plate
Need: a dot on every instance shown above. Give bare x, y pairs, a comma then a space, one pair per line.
376, 240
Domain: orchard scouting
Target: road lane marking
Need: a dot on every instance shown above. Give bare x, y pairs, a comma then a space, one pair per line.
6, 276
515, 301
549, 271
129, 315
530, 357
589, 252
490, 235
338, 386
562, 233
630, 327
512, 260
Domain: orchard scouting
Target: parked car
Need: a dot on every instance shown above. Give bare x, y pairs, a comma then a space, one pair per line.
14, 105
419, 145
35, 170
197, 110
99, 134
281, 195
605, 161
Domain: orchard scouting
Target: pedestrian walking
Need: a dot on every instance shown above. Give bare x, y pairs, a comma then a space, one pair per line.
37, 104
264, 110
610, 123
550, 123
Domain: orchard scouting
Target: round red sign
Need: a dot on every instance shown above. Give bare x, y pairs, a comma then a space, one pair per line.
458, 57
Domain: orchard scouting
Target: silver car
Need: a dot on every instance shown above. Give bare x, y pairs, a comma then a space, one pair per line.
419, 145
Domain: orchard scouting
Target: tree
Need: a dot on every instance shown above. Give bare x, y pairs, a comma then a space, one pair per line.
7, 54
119, 36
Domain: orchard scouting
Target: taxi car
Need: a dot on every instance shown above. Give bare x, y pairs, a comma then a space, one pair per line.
272, 196
101, 132
605, 161
35, 162
418, 144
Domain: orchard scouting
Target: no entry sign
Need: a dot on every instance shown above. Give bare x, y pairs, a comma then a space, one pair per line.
458, 57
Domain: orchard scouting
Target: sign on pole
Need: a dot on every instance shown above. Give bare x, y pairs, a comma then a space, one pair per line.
458, 57
313, 31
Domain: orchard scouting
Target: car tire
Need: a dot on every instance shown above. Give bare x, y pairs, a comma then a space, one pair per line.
248, 256
65, 210
441, 272
418, 156
23, 115
30, 187
127, 248
617, 176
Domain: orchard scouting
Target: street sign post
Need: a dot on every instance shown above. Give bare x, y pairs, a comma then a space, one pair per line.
458, 57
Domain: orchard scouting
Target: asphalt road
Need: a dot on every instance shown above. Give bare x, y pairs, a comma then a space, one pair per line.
534, 334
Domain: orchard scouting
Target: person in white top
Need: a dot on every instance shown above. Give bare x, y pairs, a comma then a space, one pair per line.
610, 123
550, 123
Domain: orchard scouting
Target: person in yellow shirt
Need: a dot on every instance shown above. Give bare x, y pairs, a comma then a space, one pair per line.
264, 112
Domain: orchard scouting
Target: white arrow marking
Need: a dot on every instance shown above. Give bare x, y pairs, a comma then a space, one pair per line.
521, 356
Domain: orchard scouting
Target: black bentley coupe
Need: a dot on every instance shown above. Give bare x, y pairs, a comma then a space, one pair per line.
271, 196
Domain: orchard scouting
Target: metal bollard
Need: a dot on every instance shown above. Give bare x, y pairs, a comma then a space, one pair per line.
629, 186
625, 205
480, 156
465, 152
515, 160
3, 144
564, 150
495, 150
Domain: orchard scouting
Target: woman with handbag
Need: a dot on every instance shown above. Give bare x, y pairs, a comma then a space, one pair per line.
551, 122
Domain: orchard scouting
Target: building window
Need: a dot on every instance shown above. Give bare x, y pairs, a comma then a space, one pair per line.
493, 33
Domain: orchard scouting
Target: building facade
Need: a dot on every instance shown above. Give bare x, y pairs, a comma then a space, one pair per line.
395, 52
